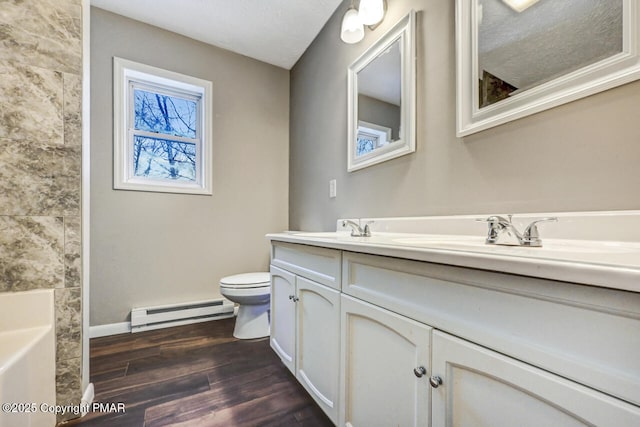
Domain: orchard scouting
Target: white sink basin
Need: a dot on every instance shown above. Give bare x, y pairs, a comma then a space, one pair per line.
593, 252
321, 234
478, 243
599, 248
583, 251
435, 239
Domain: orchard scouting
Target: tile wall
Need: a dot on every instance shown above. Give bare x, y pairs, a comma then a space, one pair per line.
40, 166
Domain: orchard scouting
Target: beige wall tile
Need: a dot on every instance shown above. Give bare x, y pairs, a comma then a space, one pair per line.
68, 384
41, 167
72, 92
31, 253
47, 33
68, 323
31, 103
72, 252
39, 179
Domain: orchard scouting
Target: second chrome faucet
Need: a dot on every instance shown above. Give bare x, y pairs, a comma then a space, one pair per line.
501, 231
356, 230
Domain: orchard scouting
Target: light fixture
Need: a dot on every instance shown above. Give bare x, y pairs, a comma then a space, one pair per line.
371, 11
352, 28
520, 5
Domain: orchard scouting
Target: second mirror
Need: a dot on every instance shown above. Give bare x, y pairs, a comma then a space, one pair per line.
382, 98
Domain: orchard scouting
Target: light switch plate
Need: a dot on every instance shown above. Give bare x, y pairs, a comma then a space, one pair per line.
332, 188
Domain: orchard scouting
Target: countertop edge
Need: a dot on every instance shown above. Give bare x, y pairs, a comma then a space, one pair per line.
620, 278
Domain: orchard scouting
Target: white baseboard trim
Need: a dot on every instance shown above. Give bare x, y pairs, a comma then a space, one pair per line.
109, 329
125, 327
87, 399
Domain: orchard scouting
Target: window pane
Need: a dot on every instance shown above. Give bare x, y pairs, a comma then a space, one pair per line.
155, 112
366, 144
163, 159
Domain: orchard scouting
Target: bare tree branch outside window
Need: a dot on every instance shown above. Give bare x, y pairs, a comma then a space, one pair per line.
169, 155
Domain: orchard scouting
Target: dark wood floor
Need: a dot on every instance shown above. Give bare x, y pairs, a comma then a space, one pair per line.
195, 375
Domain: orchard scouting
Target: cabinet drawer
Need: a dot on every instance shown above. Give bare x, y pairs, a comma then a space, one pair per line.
587, 334
318, 264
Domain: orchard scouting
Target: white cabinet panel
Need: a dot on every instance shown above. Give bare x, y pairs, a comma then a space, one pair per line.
283, 320
587, 334
318, 339
379, 352
482, 388
321, 265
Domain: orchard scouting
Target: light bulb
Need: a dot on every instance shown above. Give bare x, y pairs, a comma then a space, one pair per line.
352, 29
371, 11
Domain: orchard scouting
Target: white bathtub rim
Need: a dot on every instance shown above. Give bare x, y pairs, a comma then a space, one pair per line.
27, 339
39, 312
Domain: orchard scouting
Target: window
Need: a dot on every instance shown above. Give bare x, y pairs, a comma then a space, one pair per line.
371, 137
162, 130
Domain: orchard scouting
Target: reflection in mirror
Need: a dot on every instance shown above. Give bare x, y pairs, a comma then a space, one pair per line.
379, 97
381, 119
519, 57
521, 50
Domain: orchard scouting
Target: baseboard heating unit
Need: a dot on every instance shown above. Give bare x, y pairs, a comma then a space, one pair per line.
164, 316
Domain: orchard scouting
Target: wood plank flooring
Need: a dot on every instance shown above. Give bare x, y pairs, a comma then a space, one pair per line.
195, 375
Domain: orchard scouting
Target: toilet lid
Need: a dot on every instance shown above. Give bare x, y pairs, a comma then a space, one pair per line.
246, 279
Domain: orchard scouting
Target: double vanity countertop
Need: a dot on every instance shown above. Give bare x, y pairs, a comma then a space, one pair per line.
611, 264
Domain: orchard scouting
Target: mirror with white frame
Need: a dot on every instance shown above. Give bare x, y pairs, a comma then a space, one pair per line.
381, 110
519, 57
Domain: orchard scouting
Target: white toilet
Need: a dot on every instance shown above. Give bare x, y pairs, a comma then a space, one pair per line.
252, 291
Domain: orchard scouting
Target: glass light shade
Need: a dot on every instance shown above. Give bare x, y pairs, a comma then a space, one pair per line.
352, 28
520, 5
371, 11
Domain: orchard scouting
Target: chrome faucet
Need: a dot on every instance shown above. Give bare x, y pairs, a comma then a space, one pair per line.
356, 230
501, 231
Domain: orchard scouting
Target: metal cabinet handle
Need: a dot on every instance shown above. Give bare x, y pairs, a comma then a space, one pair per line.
435, 381
294, 298
420, 371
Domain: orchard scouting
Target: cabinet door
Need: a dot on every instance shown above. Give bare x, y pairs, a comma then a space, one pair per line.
483, 388
283, 320
318, 322
379, 352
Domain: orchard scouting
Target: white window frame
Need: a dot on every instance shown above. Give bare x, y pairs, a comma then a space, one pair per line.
128, 75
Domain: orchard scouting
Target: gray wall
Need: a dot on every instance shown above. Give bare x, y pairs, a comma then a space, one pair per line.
578, 157
157, 248
381, 113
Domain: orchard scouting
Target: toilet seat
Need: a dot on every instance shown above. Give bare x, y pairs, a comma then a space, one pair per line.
246, 281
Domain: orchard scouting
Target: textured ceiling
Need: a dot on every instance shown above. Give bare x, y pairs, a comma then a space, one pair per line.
549, 39
273, 31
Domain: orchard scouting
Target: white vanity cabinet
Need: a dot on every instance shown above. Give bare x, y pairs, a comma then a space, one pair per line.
480, 387
305, 319
497, 349
511, 350
384, 367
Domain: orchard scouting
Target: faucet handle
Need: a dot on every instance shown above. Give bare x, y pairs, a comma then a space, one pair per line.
531, 236
496, 219
493, 223
367, 231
